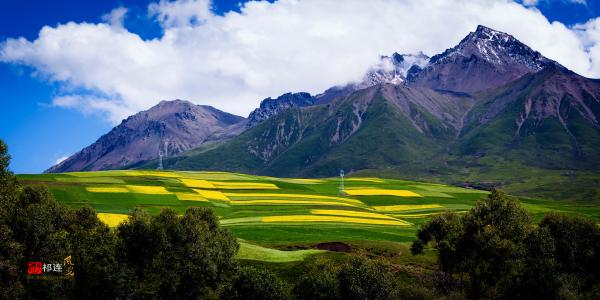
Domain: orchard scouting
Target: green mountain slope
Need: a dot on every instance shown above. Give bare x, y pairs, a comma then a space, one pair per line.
546, 120
379, 126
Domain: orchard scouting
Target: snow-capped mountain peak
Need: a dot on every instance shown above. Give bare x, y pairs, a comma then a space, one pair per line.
496, 47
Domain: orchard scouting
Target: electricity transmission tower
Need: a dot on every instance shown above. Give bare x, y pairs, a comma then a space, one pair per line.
160, 156
342, 182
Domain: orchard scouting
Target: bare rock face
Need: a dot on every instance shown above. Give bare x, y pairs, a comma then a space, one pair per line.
270, 107
171, 127
484, 59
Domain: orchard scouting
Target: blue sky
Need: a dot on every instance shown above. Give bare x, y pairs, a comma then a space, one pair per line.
39, 132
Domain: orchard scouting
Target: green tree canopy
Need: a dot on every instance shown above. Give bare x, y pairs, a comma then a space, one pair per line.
250, 283
505, 255
176, 257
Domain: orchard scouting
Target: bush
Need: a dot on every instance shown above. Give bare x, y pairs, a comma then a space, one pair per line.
319, 282
256, 284
361, 278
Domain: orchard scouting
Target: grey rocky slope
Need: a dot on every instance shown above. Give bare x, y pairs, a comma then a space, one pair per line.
270, 107
171, 127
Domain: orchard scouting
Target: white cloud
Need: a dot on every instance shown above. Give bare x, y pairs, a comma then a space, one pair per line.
116, 17
530, 2
60, 159
180, 13
112, 109
536, 2
234, 61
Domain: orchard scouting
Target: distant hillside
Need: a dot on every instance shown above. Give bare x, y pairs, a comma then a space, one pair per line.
171, 127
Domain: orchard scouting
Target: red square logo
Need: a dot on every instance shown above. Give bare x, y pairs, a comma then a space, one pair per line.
34, 268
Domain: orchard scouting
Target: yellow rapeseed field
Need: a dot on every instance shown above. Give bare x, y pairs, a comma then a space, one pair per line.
302, 196
304, 180
215, 195
214, 175
415, 216
367, 179
313, 218
145, 173
406, 207
197, 183
230, 185
106, 189
156, 173
190, 197
146, 189
141, 189
380, 192
112, 220
300, 180
287, 202
349, 213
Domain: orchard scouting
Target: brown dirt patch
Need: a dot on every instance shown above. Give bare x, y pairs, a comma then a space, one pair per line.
334, 246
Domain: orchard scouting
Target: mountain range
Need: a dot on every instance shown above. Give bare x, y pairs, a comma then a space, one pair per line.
488, 112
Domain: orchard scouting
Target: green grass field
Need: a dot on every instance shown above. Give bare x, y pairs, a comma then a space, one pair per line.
268, 213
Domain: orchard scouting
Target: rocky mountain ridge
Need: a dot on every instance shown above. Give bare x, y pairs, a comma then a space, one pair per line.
270, 107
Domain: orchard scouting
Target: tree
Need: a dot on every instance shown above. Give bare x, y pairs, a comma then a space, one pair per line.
577, 248
492, 244
444, 230
540, 278
506, 256
93, 250
8, 185
176, 257
487, 244
11, 251
256, 284
361, 278
319, 282
10, 257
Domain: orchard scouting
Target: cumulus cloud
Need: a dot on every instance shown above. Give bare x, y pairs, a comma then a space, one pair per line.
235, 60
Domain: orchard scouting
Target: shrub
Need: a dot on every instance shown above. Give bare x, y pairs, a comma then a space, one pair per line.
256, 284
